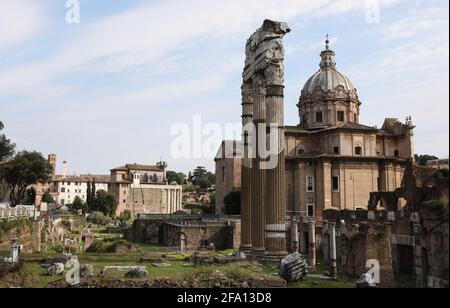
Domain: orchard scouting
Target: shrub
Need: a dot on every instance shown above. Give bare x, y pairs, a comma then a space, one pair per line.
99, 218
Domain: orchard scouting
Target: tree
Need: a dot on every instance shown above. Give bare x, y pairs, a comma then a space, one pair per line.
422, 160
232, 203
24, 170
79, 205
48, 198
178, 177
6, 146
125, 216
30, 196
106, 203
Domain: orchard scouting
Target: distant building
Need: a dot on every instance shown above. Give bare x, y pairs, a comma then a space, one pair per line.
228, 172
438, 164
143, 189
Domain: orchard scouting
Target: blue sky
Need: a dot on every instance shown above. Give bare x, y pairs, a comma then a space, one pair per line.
106, 91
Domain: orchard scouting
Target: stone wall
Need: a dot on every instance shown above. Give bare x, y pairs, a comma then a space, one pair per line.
372, 242
29, 235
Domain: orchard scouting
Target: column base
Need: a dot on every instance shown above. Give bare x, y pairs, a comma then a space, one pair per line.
247, 249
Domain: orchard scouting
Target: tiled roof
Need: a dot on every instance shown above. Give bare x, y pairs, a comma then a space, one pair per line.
83, 178
129, 167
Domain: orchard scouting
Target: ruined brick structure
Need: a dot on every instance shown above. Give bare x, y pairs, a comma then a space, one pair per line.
186, 232
418, 231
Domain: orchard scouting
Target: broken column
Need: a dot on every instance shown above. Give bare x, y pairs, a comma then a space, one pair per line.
246, 172
264, 69
312, 245
14, 250
333, 250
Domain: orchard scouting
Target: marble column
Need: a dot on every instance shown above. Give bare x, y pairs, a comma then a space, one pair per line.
333, 250
258, 174
294, 235
276, 192
312, 245
246, 172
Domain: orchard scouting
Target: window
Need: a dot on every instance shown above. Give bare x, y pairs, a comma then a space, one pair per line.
397, 153
124, 201
310, 184
336, 150
63, 189
301, 150
335, 184
310, 210
358, 151
319, 117
341, 116
223, 174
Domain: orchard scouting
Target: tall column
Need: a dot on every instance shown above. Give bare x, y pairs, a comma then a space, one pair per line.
333, 258
246, 172
276, 192
312, 245
258, 174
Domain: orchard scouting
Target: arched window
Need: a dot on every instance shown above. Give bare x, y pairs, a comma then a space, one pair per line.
397, 153
358, 151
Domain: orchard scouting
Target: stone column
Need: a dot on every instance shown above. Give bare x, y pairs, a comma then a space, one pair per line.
258, 175
312, 245
294, 235
246, 172
333, 248
276, 192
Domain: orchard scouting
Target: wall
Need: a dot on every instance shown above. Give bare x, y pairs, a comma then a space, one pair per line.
29, 234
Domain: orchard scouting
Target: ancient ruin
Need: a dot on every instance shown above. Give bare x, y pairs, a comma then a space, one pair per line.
263, 198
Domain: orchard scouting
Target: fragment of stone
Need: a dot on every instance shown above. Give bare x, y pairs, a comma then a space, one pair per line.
293, 268
137, 272
366, 281
86, 270
55, 269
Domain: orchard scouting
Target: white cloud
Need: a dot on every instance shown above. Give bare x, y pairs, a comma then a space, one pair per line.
20, 20
426, 21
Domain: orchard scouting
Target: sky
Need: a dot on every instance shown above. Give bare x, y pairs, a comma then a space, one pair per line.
107, 91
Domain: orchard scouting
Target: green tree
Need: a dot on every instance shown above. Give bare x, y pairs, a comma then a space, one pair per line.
6, 146
232, 203
48, 198
24, 170
78, 205
125, 216
106, 203
422, 160
89, 201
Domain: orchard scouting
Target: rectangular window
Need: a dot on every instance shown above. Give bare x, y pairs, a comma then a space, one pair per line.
335, 184
310, 210
341, 116
319, 117
336, 150
310, 184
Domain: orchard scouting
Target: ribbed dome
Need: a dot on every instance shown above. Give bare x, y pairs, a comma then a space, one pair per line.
328, 78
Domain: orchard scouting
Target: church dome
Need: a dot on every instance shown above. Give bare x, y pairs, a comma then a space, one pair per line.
328, 78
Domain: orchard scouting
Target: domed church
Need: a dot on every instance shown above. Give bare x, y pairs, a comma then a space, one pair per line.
332, 160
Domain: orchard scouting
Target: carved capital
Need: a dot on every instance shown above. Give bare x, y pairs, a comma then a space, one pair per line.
259, 86
274, 74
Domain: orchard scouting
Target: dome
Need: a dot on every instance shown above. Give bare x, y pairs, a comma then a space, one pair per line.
328, 78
